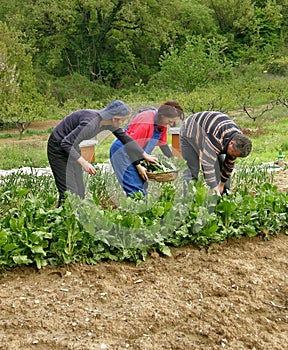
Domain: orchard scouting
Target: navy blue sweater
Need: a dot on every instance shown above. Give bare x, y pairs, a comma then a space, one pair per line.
84, 124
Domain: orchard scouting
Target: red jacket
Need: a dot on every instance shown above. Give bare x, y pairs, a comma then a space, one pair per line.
141, 128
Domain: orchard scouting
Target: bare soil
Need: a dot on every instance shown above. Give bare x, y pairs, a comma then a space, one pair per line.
233, 296
39, 125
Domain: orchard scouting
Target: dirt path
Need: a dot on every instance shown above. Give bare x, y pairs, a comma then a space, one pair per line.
39, 125
235, 296
34, 126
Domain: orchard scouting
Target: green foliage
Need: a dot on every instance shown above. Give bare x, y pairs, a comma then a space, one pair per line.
34, 231
278, 66
251, 215
119, 44
16, 154
247, 177
102, 41
201, 62
19, 101
79, 88
254, 30
194, 18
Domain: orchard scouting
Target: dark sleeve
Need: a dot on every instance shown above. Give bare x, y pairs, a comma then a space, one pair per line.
227, 168
134, 151
166, 151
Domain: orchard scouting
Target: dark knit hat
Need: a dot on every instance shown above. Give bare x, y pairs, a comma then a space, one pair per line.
115, 108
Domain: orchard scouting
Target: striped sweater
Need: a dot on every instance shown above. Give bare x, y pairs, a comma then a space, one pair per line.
211, 132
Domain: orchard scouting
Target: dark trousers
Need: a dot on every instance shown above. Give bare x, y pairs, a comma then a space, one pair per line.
190, 153
67, 172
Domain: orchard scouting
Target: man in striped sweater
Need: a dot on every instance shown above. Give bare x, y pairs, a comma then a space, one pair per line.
213, 141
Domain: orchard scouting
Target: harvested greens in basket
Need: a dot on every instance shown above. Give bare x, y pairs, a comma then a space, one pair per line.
160, 167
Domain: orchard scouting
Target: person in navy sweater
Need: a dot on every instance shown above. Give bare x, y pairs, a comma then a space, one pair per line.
63, 148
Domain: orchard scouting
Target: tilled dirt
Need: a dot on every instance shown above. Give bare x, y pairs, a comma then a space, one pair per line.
281, 179
233, 296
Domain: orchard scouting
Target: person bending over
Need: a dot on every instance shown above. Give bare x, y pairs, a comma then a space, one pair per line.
149, 129
212, 140
63, 148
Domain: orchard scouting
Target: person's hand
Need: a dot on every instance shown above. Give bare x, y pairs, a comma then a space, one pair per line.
89, 168
142, 171
221, 187
149, 159
216, 190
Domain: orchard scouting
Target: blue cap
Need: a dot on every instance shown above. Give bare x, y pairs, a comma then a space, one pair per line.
115, 108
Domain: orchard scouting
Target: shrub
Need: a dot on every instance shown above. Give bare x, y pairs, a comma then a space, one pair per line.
278, 66
78, 87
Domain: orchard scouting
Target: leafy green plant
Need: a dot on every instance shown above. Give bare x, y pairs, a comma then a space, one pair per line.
278, 65
34, 231
161, 167
250, 176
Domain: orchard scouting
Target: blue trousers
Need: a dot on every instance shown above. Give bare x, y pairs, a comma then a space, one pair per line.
126, 173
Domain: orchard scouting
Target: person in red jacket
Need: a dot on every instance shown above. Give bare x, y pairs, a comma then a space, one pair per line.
149, 129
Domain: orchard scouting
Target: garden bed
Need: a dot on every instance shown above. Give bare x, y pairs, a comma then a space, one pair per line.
231, 296
234, 297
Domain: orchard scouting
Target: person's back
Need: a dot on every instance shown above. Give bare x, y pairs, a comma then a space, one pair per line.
215, 126
212, 140
141, 127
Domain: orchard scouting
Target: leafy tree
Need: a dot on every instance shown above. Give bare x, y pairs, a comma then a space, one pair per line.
9, 86
193, 18
123, 43
18, 95
255, 27
228, 12
201, 62
117, 42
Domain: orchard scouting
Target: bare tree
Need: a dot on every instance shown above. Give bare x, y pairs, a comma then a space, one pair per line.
254, 113
283, 101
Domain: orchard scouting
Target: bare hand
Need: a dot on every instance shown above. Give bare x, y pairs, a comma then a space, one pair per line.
149, 159
142, 172
89, 168
221, 187
215, 190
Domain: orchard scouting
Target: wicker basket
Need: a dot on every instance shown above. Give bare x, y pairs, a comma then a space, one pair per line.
163, 177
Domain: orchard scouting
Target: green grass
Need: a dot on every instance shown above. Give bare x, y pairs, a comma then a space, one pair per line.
23, 154
103, 147
268, 133
27, 133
